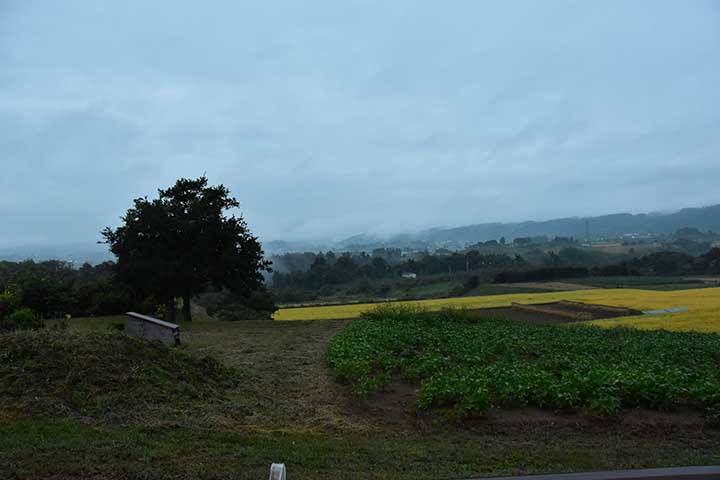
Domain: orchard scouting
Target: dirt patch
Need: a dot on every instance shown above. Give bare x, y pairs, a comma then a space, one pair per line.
397, 398
555, 312
629, 422
395, 407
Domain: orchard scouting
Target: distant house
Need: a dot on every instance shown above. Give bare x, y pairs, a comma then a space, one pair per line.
409, 275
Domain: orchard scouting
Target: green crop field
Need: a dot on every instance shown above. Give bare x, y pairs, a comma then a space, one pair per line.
474, 364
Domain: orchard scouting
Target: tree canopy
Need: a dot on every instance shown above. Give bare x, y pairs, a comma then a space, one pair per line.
184, 241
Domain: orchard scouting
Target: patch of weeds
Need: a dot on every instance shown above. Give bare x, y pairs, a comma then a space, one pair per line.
60, 372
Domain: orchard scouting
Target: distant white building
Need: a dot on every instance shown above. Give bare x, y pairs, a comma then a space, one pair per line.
409, 275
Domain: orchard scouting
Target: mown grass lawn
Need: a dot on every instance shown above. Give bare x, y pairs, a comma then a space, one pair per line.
69, 449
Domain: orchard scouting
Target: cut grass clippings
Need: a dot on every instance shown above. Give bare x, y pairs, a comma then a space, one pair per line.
98, 374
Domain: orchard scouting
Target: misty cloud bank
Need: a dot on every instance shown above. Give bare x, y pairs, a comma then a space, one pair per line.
335, 118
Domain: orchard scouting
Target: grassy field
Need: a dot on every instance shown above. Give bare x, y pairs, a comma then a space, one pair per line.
703, 304
426, 288
286, 406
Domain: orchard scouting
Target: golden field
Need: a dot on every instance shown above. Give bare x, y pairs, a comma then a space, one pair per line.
703, 304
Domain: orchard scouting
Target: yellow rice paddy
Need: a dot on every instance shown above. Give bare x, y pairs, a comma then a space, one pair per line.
703, 305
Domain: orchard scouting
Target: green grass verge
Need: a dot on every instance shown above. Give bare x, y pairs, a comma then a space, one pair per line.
45, 448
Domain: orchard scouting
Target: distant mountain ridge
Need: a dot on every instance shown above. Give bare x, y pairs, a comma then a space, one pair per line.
77, 253
613, 225
703, 218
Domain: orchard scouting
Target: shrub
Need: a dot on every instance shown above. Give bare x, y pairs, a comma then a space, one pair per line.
117, 327
383, 289
234, 313
23, 319
261, 300
327, 291
260, 304
295, 295
160, 311
541, 274
363, 287
471, 282
8, 302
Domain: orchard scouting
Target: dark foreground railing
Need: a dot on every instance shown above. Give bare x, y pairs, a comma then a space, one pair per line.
675, 473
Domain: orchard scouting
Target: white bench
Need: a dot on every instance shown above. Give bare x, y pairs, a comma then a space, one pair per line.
152, 328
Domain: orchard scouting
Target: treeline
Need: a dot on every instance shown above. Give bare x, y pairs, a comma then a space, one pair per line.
54, 288
677, 263
321, 272
660, 263
51, 289
313, 271
330, 269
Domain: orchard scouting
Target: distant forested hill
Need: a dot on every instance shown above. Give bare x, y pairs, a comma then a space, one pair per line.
75, 253
615, 225
706, 218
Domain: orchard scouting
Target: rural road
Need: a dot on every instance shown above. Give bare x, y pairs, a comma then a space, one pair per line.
676, 473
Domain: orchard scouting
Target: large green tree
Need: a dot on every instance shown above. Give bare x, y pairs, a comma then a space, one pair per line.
184, 241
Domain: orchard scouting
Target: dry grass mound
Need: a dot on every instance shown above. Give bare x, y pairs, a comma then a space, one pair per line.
63, 373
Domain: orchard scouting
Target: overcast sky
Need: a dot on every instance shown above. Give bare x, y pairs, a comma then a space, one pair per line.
331, 118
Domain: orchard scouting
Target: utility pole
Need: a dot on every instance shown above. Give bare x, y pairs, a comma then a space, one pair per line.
587, 230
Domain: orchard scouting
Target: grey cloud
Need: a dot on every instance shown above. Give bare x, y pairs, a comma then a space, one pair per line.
333, 118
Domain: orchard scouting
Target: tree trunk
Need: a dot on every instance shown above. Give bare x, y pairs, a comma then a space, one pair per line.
170, 307
186, 307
